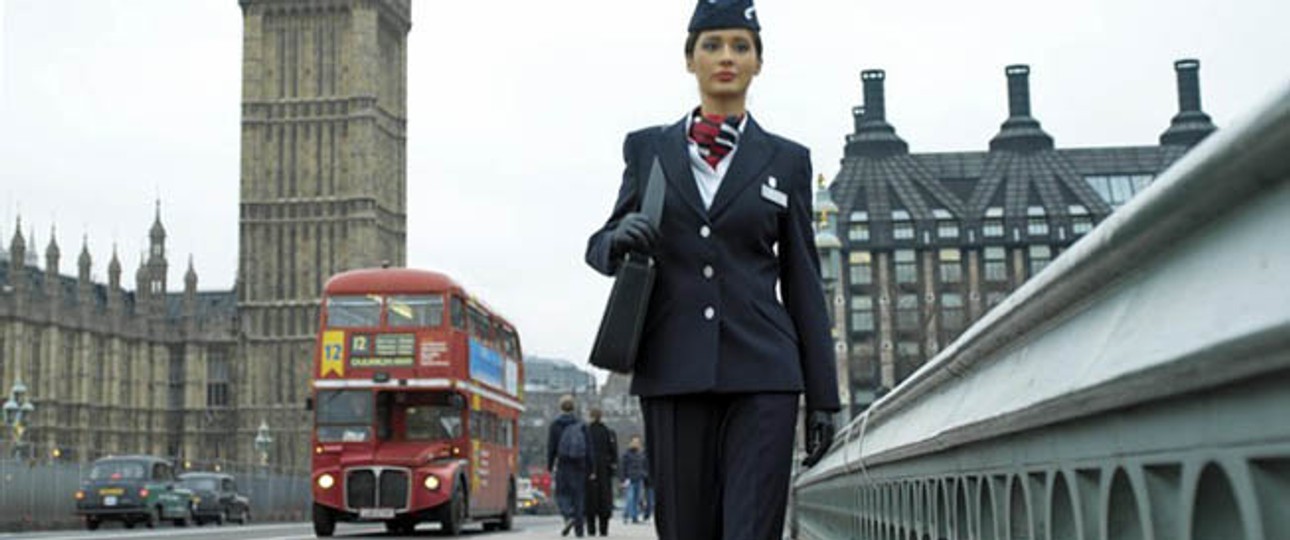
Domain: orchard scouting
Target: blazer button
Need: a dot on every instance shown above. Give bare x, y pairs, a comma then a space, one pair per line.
705, 231
709, 313
707, 271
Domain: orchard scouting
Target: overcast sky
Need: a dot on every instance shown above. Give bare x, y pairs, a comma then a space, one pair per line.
517, 111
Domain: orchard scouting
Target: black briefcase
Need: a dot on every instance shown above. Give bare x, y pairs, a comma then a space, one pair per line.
620, 331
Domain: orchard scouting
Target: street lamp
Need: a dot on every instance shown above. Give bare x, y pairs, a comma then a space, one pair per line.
17, 413
262, 442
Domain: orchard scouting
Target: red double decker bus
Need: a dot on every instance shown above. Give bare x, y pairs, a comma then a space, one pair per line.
416, 398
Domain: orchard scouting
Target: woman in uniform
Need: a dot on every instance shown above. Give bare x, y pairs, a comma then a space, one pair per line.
737, 327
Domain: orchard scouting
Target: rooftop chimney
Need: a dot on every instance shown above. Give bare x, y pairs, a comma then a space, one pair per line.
874, 137
1020, 133
1191, 124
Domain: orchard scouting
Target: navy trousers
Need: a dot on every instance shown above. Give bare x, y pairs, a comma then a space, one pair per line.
571, 492
720, 464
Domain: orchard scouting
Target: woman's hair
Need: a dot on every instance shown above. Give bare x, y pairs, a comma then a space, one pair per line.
566, 403
693, 40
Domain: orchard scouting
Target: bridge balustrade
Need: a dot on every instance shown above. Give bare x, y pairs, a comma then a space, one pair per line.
1137, 388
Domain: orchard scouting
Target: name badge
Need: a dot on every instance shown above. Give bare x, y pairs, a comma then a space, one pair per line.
774, 195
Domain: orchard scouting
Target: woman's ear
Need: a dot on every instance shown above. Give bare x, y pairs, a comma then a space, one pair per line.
689, 63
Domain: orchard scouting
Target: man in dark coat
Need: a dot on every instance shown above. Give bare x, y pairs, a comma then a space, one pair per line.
600, 484
570, 471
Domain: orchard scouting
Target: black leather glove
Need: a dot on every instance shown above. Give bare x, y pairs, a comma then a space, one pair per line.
819, 436
634, 233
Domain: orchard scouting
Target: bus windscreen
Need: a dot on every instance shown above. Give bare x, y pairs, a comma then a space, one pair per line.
344, 415
354, 311
415, 311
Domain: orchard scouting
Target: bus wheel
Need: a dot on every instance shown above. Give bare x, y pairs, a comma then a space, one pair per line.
454, 515
508, 519
324, 521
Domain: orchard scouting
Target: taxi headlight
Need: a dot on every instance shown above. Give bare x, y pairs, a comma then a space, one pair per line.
326, 481
431, 482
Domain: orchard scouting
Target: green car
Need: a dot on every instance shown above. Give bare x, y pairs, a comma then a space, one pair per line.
133, 489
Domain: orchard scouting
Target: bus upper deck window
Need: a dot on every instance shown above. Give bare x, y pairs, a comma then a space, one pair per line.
419, 310
458, 313
355, 311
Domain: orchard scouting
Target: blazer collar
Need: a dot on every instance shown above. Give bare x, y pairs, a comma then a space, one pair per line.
753, 155
674, 157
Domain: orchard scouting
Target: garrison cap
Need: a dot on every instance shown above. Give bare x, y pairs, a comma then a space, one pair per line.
710, 14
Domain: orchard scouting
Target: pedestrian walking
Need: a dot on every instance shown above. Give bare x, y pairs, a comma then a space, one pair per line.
635, 472
569, 458
737, 326
600, 483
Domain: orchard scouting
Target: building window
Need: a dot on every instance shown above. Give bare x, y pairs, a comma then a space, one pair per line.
1036, 221
993, 227
909, 351
1081, 221
217, 378
862, 313
1117, 189
858, 230
901, 226
951, 266
951, 312
906, 266
996, 264
861, 267
907, 317
1040, 256
946, 227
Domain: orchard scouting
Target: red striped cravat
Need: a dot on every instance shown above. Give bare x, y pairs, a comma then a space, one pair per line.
715, 136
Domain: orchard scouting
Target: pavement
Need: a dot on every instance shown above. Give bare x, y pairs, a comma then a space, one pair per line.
526, 528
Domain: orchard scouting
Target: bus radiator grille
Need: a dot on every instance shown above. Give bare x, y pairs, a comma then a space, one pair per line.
360, 489
394, 489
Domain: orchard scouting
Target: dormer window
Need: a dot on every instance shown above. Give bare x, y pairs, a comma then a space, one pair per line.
993, 226
946, 227
1081, 221
858, 230
901, 226
1036, 221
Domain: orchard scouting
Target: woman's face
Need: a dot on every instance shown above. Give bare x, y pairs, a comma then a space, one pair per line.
724, 62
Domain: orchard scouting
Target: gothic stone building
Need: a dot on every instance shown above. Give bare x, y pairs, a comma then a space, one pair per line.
323, 190
928, 242
110, 370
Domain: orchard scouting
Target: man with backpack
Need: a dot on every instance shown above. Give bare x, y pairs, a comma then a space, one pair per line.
569, 458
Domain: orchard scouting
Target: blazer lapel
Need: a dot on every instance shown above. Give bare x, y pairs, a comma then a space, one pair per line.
751, 157
673, 154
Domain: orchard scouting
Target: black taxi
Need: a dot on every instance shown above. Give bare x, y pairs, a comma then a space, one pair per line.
132, 490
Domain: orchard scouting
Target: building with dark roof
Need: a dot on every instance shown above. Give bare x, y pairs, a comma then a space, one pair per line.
929, 242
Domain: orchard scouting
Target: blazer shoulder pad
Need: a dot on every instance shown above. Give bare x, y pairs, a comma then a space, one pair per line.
644, 138
789, 145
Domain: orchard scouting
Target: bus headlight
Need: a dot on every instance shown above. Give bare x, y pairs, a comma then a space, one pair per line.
326, 481
432, 482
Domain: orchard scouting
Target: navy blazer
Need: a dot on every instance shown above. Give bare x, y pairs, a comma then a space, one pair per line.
715, 323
